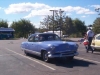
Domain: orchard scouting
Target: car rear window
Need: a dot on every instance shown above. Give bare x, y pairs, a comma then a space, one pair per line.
49, 37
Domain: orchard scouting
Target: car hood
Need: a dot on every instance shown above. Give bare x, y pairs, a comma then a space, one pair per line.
61, 45
55, 43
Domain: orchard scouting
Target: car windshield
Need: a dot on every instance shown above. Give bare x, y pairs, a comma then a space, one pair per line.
49, 37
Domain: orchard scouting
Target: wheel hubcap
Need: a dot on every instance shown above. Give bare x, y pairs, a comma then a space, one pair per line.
45, 57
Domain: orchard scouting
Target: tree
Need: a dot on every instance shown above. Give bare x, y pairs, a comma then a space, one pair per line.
3, 23
23, 28
47, 23
80, 27
68, 26
96, 25
65, 24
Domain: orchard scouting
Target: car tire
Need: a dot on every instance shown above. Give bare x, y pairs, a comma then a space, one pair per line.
26, 53
45, 56
94, 49
71, 58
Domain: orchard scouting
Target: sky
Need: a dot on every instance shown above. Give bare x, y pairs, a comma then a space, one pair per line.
36, 10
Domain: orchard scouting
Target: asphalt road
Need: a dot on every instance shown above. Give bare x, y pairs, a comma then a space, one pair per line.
14, 62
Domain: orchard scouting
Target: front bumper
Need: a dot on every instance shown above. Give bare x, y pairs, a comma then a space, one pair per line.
62, 55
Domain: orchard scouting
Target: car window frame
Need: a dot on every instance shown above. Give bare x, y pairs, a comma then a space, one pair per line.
97, 37
55, 37
36, 36
32, 39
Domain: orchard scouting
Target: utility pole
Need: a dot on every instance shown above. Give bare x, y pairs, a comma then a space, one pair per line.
53, 18
60, 12
47, 23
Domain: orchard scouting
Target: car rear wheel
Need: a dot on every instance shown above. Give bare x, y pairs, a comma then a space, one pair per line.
93, 48
45, 56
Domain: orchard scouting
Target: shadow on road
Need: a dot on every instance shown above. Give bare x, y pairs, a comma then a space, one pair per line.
96, 53
71, 64
67, 63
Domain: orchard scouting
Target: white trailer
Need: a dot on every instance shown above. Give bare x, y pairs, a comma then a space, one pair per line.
56, 32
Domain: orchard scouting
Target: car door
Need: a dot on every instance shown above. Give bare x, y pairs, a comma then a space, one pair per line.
97, 41
35, 44
31, 43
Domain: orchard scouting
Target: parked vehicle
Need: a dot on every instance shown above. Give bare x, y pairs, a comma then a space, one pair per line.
96, 42
49, 45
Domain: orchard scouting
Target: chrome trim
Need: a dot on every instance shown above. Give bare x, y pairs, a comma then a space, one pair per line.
32, 52
51, 55
60, 55
65, 51
95, 46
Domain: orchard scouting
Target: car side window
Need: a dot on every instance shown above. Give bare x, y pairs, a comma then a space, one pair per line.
36, 39
31, 39
50, 38
98, 37
57, 38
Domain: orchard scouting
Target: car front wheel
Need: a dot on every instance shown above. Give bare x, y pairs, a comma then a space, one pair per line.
26, 53
71, 58
45, 56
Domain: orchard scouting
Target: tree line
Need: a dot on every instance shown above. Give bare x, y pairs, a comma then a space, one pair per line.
70, 27
22, 28
74, 28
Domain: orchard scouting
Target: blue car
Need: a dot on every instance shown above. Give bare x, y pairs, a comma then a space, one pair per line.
49, 45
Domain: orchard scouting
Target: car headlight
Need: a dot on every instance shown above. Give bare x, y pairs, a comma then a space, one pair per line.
52, 47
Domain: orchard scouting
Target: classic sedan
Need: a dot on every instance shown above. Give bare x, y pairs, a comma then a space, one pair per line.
49, 45
96, 42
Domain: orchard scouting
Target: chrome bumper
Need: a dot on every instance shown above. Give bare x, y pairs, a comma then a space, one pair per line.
61, 55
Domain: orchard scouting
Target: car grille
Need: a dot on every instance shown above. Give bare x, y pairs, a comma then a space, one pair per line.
68, 53
65, 47
65, 53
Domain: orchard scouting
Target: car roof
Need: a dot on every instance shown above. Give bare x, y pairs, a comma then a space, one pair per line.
6, 29
41, 33
97, 34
